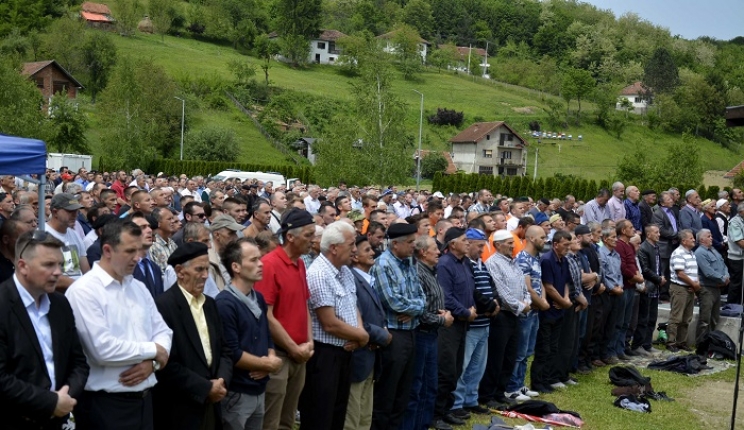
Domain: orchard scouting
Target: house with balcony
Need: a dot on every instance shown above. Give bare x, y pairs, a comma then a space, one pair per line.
490, 148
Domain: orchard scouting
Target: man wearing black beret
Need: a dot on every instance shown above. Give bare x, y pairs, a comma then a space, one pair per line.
190, 388
399, 289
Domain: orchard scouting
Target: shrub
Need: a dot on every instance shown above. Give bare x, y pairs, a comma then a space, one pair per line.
211, 144
447, 117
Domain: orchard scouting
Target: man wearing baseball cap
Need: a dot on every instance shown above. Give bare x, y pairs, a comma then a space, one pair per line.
64, 210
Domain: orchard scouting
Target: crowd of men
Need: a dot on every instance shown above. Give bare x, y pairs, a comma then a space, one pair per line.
164, 302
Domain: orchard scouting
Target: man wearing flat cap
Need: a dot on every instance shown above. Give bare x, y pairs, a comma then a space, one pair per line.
648, 200
504, 330
190, 388
399, 289
224, 230
455, 276
284, 287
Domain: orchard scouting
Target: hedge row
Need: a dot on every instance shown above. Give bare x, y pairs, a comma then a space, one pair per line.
204, 168
554, 187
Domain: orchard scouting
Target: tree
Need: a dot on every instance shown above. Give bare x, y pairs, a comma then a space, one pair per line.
99, 58
15, 46
577, 84
162, 13
242, 70
406, 41
443, 57
265, 50
352, 51
368, 143
128, 15
212, 144
417, 14
143, 119
298, 21
67, 126
432, 163
20, 104
63, 42
660, 75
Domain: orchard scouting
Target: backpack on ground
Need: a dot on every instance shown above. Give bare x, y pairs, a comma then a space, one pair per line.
716, 341
687, 364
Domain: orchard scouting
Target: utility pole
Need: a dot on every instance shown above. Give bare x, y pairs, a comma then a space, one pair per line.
534, 175
183, 116
421, 127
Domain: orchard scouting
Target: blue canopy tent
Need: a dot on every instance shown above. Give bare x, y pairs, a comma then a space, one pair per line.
21, 157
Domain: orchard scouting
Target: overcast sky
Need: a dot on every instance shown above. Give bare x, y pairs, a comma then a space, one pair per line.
722, 19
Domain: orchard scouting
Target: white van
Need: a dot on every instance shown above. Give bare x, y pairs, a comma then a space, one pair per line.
275, 178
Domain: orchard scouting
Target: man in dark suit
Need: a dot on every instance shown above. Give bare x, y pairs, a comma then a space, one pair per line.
146, 271
43, 369
668, 223
648, 200
190, 388
364, 362
648, 303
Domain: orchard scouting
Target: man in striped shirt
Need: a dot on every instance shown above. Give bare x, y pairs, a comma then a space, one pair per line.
476, 341
684, 285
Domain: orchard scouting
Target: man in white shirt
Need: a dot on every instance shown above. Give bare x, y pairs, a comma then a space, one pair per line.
312, 204
64, 211
124, 336
278, 206
191, 190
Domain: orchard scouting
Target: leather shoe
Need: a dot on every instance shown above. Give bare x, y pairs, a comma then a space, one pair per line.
598, 363
461, 413
478, 410
440, 425
611, 361
683, 346
451, 419
623, 357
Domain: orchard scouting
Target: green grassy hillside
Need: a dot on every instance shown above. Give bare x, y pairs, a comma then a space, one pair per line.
594, 158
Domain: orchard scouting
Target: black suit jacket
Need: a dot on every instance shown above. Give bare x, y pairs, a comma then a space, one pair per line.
155, 285
28, 397
647, 259
373, 318
647, 213
180, 396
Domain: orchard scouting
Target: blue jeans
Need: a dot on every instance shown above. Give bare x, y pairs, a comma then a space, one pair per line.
473, 365
525, 348
623, 321
423, 394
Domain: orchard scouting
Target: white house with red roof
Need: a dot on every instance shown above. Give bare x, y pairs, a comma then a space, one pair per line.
490, 148
636, 94
323, 49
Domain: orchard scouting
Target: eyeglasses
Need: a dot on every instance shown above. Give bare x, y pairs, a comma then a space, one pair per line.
38, 236
201, 216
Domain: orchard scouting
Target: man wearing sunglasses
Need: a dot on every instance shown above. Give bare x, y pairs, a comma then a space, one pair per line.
64, 210
44, 367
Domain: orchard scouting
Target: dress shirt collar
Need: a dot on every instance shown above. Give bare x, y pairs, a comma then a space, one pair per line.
28, 300
194, 302
106, 279
330, 267
692, 208
365, 275
405, 262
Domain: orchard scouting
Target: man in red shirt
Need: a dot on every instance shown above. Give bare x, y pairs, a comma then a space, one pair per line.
119, 186
284, 287
631, 276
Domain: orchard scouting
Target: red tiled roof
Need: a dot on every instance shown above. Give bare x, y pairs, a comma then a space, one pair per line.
633, 89
735, 171
451, 168
95, 17
30, 69
330, 35
478, 130
96, 8
391, 34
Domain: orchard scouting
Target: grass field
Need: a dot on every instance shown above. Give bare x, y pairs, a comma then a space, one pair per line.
594, 158
701, 403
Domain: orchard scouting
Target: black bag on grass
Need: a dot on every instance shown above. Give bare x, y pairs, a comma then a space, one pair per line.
716, 341
623, 376
687, 364
539, 408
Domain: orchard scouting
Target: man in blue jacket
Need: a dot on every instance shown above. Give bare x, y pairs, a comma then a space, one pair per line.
365, 362
246, 330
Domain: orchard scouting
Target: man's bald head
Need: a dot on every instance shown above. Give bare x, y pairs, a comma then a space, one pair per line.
534, 231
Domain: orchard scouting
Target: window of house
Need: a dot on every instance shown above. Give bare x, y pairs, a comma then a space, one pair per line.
511, 171
485, 170
59, 87
487, 153
40, 82
321, 45
506, 155
638, 99
488, 137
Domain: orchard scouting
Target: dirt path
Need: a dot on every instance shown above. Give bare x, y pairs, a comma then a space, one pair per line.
712, 402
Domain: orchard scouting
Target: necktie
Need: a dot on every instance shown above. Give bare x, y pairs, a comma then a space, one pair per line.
147, 272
